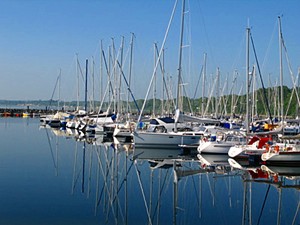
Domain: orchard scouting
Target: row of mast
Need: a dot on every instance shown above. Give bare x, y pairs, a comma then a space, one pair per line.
114, 66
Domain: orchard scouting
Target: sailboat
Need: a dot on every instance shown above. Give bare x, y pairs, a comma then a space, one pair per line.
174, 137
256, 144
259, 141
282, 154
285, 153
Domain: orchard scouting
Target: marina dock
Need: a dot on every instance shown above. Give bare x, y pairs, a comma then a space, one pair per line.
14, 112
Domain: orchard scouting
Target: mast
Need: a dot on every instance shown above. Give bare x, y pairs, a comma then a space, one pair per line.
254, 103
130, 69
59, 80
111, 90
119, 77
93, 84
203, 85
114, 94
101, 72
163, 82
154, 86
77, 81
180, 56
180, 61
232, 94
163, 86
247, 80
86, 74
280, 68
217, 93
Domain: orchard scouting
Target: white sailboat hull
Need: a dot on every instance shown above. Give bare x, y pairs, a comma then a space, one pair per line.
282, 157
239, 150
214, 147
164, 140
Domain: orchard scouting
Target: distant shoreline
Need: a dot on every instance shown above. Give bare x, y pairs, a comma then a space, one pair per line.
21, 112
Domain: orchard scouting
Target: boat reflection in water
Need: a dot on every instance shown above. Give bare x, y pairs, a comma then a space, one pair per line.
127, 185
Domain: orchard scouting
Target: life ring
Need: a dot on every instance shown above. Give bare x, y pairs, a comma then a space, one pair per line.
276, 148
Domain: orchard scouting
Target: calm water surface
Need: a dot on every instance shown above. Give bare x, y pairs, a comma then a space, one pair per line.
51, 177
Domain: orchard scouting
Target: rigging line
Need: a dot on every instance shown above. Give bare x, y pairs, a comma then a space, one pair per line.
290, 101
160, 194
237, 99
210, 188
76, 177
269, 46
260, 92
108, 73
185, 94
231, 93
123, 181
262, 83
109, 86
57, 79
156, 64
262, 208
80, 70
238, 53
74, 181
194, 185
90, 174
210, 97
118, 206
227, 98
143, 193
51, 148
163, 71
136, 105
97, 187
197, 85
222, 97
105, 185
290, 69
207, 37
296, 213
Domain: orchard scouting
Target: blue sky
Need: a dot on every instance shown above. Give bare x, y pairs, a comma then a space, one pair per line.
40, 37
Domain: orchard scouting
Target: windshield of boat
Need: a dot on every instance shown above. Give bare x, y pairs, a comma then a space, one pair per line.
235, 138
202, 129
151, 128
